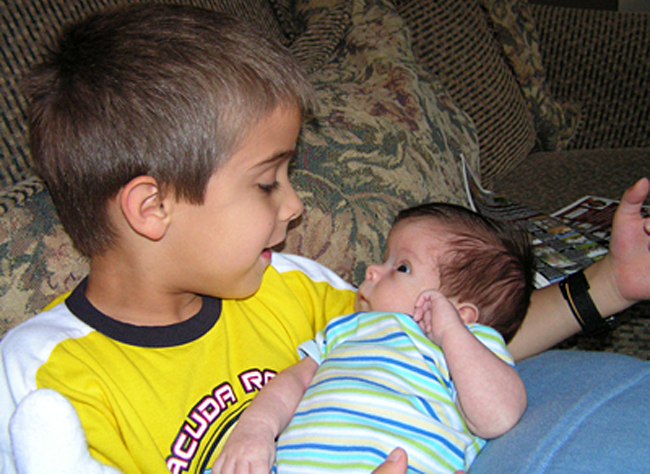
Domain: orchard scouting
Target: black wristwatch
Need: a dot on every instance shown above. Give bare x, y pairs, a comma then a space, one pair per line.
575, 290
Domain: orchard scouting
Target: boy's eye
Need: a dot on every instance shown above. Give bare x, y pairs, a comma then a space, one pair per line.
269, 188
403, 268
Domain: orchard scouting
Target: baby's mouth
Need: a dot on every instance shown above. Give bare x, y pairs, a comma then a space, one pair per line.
360, 302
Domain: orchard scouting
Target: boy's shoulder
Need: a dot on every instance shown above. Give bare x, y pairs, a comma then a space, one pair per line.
28, 346
40, 334
36, 337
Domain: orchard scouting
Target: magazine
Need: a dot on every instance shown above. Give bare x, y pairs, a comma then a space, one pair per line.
565, 242
591, 215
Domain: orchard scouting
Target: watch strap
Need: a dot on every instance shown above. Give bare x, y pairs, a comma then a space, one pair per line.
575, 290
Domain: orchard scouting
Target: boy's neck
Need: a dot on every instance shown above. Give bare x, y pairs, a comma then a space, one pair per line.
127, 295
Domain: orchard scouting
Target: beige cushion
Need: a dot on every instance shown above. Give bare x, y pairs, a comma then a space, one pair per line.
556, 123
455, 41
387, 136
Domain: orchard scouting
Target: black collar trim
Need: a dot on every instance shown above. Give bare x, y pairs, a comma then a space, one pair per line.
145, 336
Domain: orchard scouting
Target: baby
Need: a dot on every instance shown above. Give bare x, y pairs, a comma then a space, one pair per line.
421, 365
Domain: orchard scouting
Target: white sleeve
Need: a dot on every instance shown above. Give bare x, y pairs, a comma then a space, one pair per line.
283, 262
314, 348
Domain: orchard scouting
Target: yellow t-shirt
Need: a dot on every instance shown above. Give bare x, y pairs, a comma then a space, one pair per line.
163, 399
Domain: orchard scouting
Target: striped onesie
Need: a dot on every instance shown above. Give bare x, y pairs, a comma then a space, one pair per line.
380, 384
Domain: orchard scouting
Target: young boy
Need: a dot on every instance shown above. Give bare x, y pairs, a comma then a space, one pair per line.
164, 134
375, 380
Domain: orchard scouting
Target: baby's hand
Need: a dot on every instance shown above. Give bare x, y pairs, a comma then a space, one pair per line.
248, 450
435, 314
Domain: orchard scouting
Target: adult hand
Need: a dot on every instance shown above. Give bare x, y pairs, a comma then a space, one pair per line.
616, 282
395, 463
629, 256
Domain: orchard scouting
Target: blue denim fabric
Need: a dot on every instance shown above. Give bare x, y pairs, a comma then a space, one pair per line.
587, 412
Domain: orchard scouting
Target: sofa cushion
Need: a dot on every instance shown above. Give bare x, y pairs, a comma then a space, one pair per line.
314, 28
599, 58
387, 135
487, 54
454, 40
38, 260
28, 26
549, 181
555, 122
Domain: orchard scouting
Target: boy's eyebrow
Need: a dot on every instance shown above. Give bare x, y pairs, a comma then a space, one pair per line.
281, 156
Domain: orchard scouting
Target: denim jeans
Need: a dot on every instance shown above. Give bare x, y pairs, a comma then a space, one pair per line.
588, 412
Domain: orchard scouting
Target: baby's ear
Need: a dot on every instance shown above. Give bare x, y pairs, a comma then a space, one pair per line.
143, 207
469, 312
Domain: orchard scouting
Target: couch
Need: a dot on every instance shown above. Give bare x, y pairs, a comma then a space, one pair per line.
545, 104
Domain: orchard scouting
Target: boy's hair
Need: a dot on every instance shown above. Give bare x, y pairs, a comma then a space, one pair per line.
486, 262
166, 91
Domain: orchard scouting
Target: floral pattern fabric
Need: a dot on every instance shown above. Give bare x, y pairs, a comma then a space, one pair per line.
556, 123
38, 260
387, 136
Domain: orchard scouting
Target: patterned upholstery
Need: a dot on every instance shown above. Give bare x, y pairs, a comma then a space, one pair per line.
600, 61
315, 28
454, 40
387, 136
555, 123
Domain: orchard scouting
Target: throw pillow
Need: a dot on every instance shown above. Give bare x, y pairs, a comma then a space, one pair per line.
556, 123
455, 41
39, 262
387, 136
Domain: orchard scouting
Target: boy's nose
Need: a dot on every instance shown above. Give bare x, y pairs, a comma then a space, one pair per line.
292, 205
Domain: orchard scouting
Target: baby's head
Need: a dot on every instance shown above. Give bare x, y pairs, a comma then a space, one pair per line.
163, 91
466, 256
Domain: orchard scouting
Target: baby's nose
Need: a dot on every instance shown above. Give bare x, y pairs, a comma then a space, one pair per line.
372, 272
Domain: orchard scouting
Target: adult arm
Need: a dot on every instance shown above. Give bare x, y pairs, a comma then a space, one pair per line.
250, 448
616, 282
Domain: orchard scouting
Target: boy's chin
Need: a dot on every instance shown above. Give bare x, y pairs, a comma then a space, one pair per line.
243, 293
245, 289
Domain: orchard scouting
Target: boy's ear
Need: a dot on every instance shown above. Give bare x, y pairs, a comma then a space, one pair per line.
469, 312
143, 207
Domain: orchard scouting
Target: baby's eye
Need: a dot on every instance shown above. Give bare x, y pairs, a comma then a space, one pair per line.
403, 268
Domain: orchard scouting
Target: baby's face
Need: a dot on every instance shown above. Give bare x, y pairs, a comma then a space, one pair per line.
410, 267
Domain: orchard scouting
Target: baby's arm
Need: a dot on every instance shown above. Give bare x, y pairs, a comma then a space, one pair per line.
491, 396
250, 448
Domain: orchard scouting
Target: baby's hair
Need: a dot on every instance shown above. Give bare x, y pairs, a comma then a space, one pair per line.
484, 261
166, 91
